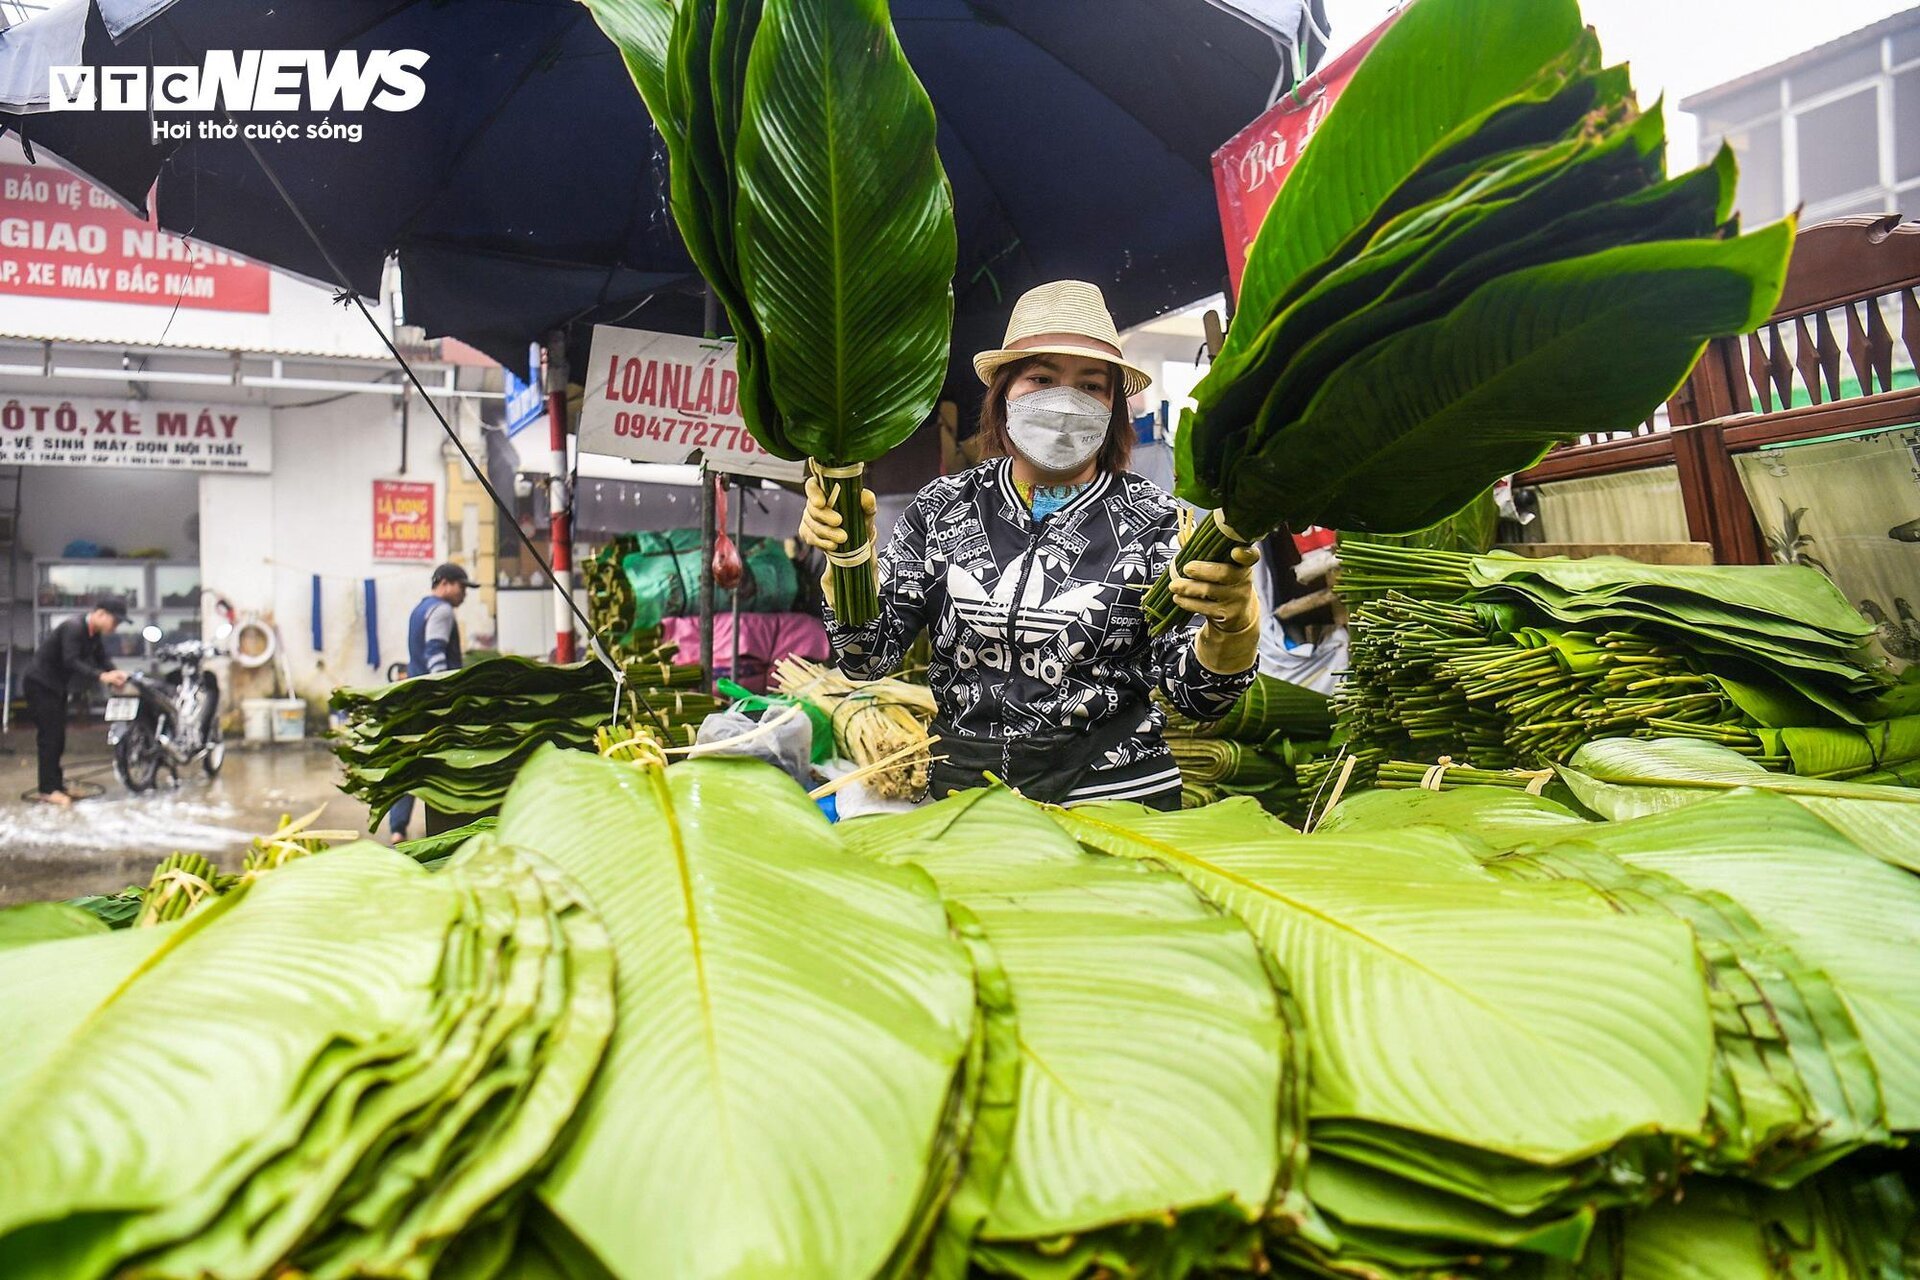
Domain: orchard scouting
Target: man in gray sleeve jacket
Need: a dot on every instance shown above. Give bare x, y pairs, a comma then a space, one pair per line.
433, 644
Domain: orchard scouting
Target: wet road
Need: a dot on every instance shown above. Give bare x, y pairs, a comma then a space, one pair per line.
102, 845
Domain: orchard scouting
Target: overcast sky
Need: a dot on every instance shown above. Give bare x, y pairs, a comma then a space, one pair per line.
1682, 46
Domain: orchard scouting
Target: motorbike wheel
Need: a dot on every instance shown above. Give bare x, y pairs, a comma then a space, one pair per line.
136, 759
215, 757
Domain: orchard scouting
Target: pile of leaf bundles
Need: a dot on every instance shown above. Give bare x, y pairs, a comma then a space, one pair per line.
1255, 750
808, 188
350, 1067
1477, 257
880, 725
1500, 661
1451, 1035
457, 738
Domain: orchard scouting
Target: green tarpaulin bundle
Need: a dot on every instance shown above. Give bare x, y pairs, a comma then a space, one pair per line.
659, 577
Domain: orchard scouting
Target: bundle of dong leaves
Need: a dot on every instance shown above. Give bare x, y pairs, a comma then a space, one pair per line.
456, 739
1471, 1034
349, 1067
1257, 749
808, 189
1499, 661
1477, 258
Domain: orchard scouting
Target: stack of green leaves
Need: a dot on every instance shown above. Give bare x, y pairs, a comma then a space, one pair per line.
456, 739
1257, 749
1460, 1033
353, 1067
1463, 1100
1503, 662
1151, 1153
808, 189
1477, 258
784, 1095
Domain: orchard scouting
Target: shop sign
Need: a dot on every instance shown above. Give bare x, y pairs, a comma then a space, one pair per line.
149, 435
1250, 169
63, 237
660, 397
525, 404
402, 520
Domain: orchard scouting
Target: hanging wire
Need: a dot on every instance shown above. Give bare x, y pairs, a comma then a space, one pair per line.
349, 294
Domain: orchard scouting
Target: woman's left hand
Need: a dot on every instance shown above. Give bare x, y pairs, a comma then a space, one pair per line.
1222, 593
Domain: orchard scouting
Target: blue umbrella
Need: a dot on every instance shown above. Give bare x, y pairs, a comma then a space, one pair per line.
527, 191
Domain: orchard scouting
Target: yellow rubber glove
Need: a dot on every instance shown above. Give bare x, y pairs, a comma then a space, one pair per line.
1223, 594
820, 526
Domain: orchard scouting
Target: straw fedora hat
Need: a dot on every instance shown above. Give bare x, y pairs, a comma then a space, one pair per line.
1065, 318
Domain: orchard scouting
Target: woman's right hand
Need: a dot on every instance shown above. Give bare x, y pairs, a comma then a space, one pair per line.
820, 524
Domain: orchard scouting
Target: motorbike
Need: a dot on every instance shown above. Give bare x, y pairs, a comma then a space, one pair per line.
169, 721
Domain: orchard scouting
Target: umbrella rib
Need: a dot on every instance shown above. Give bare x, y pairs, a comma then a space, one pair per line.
353, 296
459, 157
1204, 167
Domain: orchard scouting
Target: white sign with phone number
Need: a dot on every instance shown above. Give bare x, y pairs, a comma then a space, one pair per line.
661, 397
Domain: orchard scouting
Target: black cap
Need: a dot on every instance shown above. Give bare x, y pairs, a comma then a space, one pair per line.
113, 605
451, 572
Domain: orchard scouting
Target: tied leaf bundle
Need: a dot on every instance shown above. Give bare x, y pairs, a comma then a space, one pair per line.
808, 188
352, 1067
880, 725
1259, 748
1477, 258
457, 738
1450, 1035
1500, 661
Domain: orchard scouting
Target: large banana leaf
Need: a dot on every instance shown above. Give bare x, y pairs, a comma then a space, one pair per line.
1199, 1104
1498, 816
1783, 597
1534, 1024
1794, 1088
791, 1018
1843, 1226
1840, 909
1405, 435
844, 228
1624, 778
44, 922
1388, 120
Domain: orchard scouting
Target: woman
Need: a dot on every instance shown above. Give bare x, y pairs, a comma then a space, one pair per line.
1028, 572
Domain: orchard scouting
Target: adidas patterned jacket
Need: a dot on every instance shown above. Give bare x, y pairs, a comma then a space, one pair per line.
1039, 626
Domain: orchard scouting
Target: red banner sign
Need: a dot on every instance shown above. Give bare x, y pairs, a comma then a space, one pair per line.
402, 520
1250, 169
63, 237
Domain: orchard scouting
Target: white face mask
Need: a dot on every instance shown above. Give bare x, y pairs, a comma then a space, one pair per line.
1058, 429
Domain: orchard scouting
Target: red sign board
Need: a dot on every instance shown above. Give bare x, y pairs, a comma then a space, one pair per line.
1249, 170
63, 237
402, 520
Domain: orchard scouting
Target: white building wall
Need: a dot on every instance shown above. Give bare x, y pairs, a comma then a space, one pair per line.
264, 537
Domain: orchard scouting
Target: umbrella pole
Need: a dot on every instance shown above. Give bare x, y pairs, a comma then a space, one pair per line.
559, 504
740, 545
707, 481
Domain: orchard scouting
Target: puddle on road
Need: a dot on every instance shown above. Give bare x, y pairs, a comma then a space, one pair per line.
157, 823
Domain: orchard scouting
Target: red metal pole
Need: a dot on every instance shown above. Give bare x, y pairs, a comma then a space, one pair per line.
560, 504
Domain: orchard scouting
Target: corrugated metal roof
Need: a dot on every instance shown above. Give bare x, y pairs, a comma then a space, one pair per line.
10, 333
1819, 53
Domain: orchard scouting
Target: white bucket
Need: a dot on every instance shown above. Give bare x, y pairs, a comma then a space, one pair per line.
289, 719
256, 715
